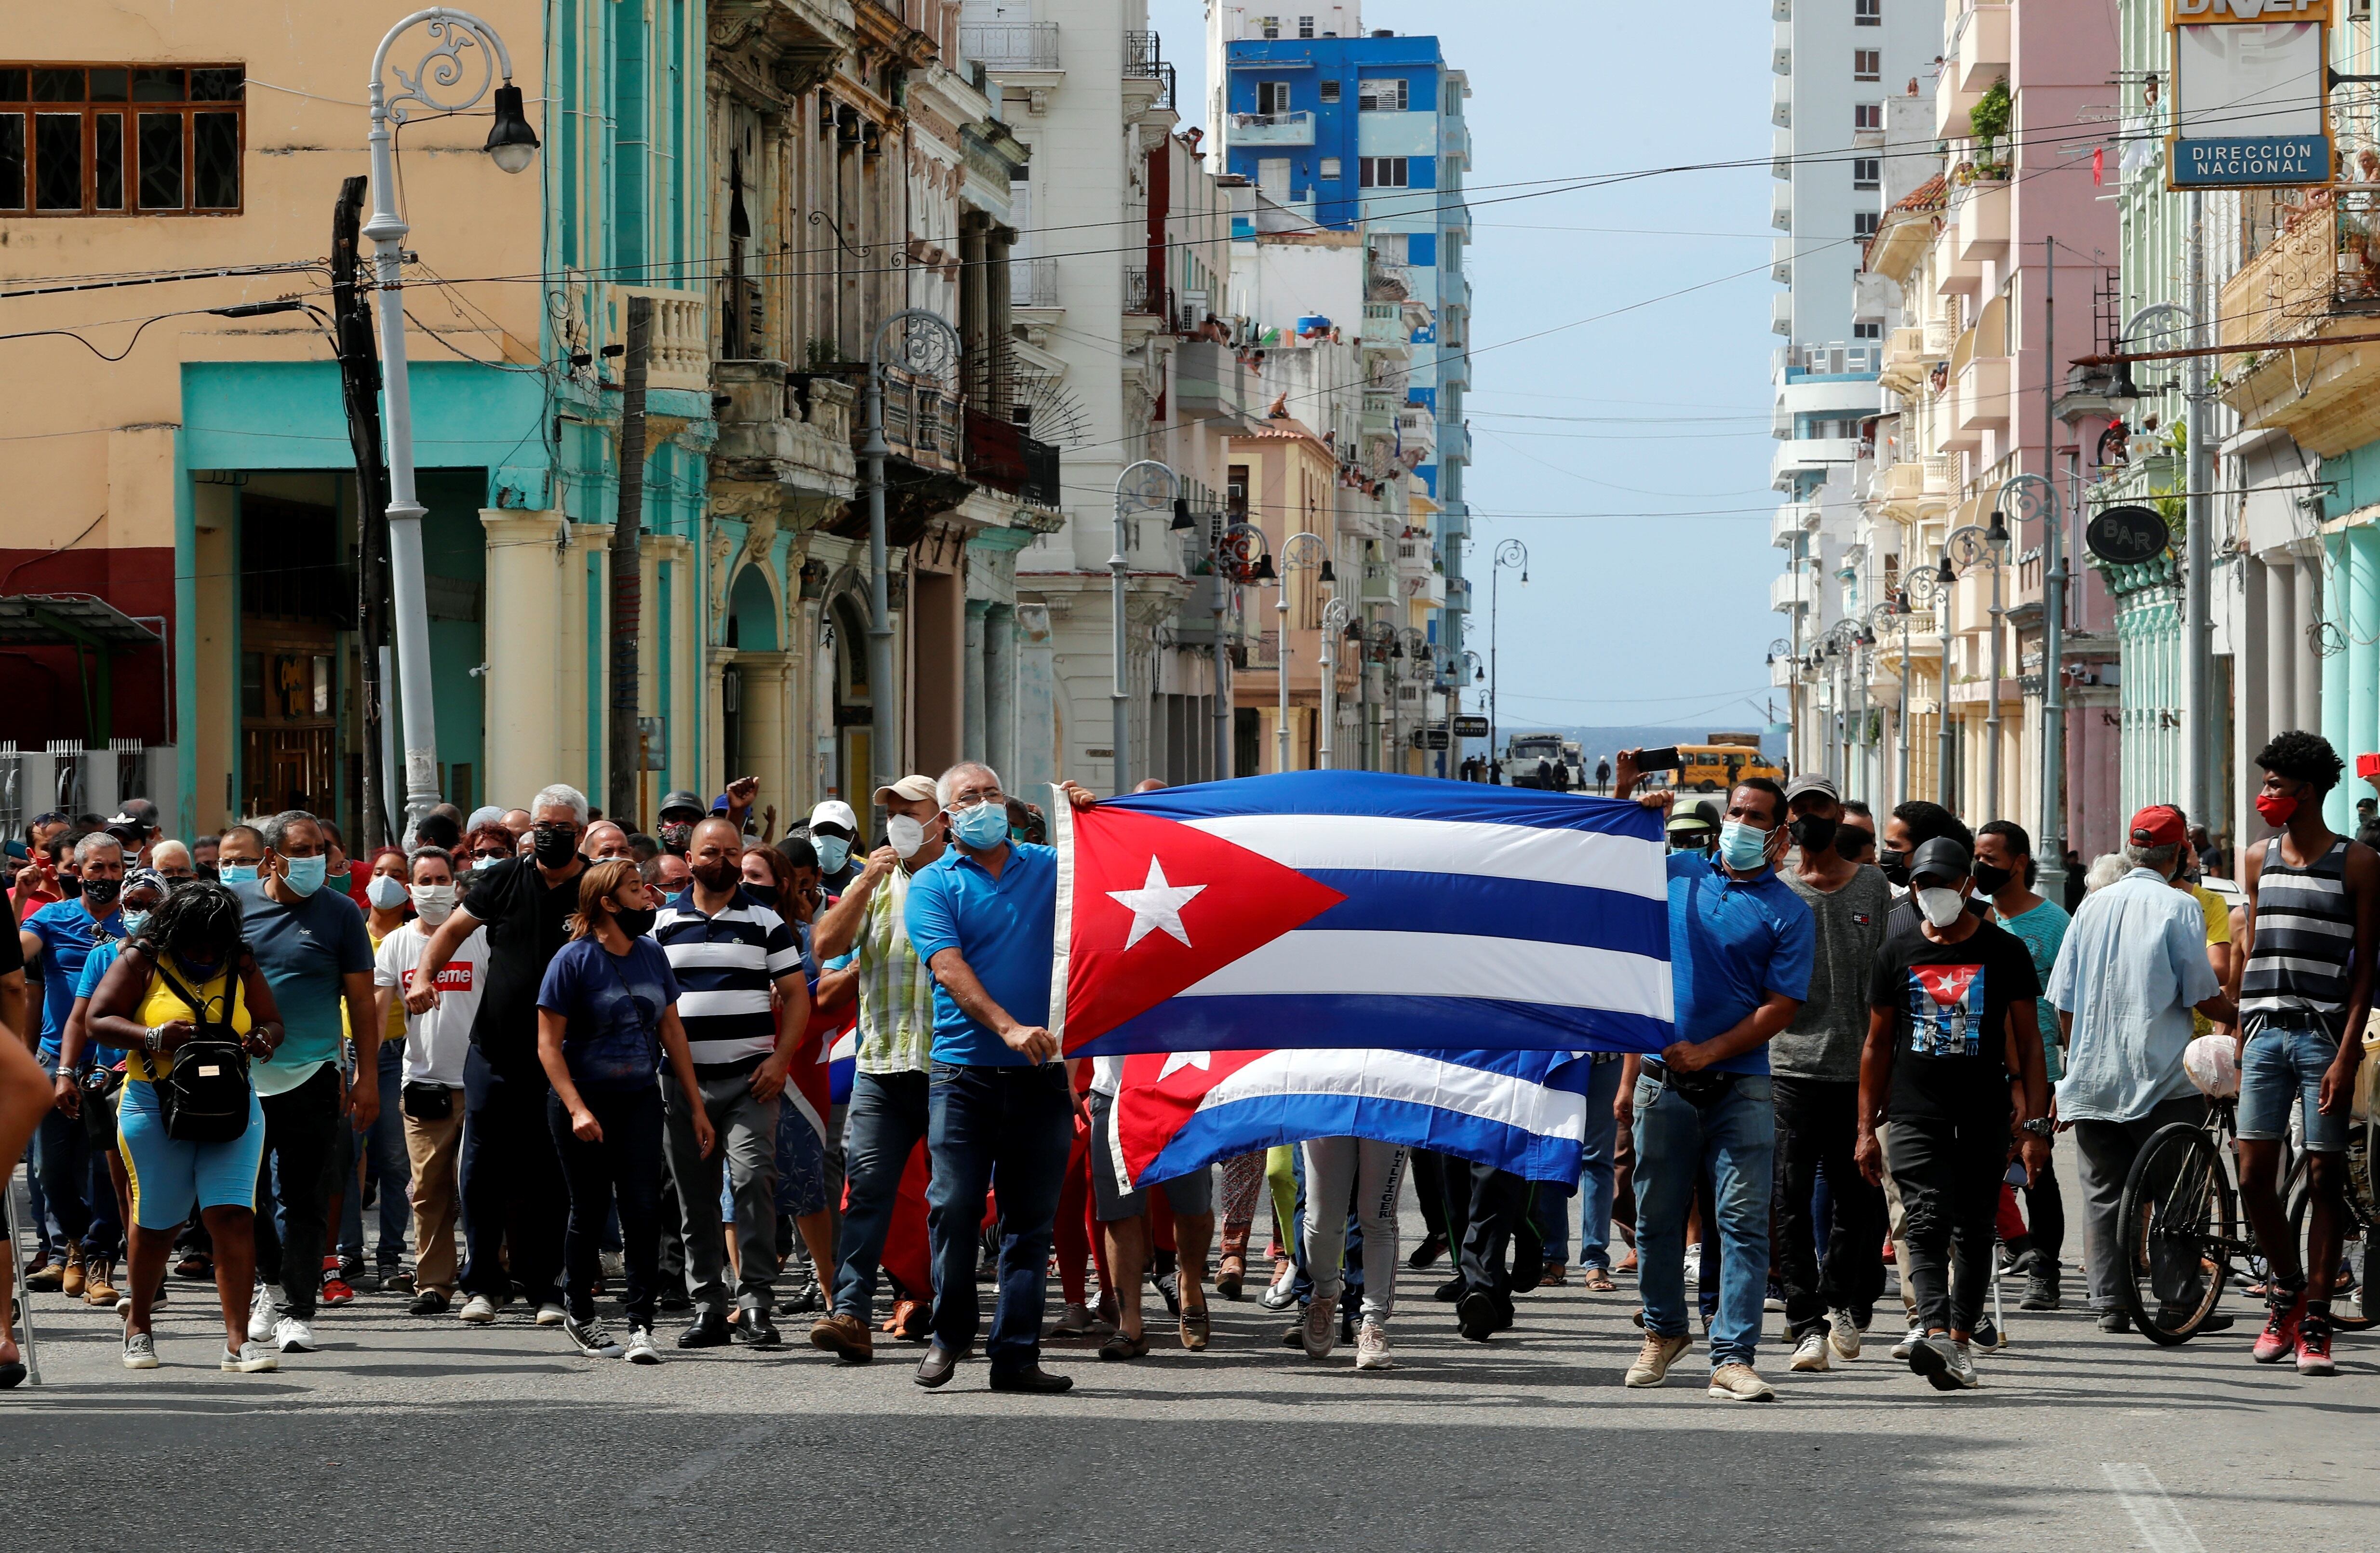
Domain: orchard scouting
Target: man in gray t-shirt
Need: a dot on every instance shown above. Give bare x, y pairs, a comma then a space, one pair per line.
1813, 1068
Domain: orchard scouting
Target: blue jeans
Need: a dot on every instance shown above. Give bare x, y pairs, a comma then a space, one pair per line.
1596, 1150
1734, 1136
385, 1162
886, 1118
1008, 1130
2285, 1063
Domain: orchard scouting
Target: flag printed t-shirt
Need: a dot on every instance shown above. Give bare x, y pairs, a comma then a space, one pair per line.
1952, 1004
435, 1041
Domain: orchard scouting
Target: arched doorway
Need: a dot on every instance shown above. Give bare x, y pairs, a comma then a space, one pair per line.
751, 627
844, 654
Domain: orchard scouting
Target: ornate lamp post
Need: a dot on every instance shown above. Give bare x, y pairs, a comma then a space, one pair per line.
1299, 552
928, 346
1334, 625
1142, 487
1963, 549
1513, 555
2025, 498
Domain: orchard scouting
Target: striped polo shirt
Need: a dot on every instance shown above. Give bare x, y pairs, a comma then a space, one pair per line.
725, 966
2304, 934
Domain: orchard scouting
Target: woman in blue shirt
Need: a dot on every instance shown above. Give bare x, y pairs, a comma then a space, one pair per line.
606, 1013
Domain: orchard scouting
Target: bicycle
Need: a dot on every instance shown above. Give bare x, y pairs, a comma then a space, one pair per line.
2179, 1230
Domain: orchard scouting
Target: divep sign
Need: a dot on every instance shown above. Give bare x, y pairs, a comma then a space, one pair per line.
2251, 94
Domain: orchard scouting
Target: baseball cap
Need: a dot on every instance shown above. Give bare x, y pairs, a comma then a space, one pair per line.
2157, 825
1942, 858
834, 811
682, 800
1810, 781
914, 788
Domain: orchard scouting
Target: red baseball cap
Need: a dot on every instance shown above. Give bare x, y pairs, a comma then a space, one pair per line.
2157, 825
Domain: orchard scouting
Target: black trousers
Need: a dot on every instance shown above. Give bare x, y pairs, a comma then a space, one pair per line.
622, 1170
300, 1125
1486, 1212
1950, 1171
1818, 1122
512, 1191
1427, 1170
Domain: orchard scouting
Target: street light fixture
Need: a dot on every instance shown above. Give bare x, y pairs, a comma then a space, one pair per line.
1300, 550
512, 145
2031, 497
1145, 486
1511, 555
1231, 564
1973, 546
928, 345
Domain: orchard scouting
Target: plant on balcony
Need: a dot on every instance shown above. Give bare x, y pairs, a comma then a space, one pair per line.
1987, 121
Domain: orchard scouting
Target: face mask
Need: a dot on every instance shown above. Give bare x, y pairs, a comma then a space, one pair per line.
434, 902
554, 846
99, 894
1742, 846
385, 893
480, 863
133, 922
764, 894
1991, 881
982, 827
2277, 810
1941, 906
305, 875
833, 852
1895, 866
905, 833
1813, 835
636, 923
69, 886
200, 971
236, 873
676, 838
722, 875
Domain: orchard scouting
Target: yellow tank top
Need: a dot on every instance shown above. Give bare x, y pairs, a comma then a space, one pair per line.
161, 1005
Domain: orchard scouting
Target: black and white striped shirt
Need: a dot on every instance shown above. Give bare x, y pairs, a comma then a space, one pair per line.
2304, 934
725, 966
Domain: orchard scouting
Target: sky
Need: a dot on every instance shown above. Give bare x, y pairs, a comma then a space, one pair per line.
1629, 452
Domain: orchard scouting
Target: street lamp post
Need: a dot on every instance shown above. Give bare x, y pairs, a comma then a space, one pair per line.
1381, 647
1917, 590
1511, 553
1142, 487
1468, 660
444, 68
928, 345
1412, 650
1299, 552
1233, 561
1334, 625
2024, 498
1969, 546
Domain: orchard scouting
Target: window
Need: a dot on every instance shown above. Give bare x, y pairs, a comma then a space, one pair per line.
1305, 26
1381, 96
1272, 97
1866, 171
1868, 64
1331, 168
179, 154
1867, 13
1331, 92
1380, 172
1864, 224
1867, 115
1269, 26
1867, 329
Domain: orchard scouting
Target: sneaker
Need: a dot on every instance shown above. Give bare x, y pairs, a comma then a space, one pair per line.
263, 1309
1810, 1355
1843, 1333
396, 1281
45, 1278
2279, 1338
1450, 1291
1774, 1305
1947, 1364
139, 1351
1909, 1340
2116, 1321
641, 1350
1432, 1246
292, 1335
2040, 1291
1074, 1321
336, 1290
551, 1313
1739, 1383
1653, 1360
591, 1339
2314, 1344
250, 1358
429, 1302
1987, 1337
478, 1310
1372, 1348
1319, 1333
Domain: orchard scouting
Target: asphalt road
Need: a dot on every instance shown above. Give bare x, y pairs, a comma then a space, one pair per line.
403, 1433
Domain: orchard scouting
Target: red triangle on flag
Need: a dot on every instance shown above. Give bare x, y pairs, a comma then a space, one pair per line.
1947, 984
1157, 1093
1158, 906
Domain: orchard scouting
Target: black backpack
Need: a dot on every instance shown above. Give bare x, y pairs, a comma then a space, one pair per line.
204, 1097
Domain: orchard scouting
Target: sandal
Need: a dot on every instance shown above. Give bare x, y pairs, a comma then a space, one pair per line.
1194, 1328
1121, 1347
1598, 1280
1554, 1275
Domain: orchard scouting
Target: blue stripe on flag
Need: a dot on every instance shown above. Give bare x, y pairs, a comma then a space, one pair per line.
1259, 1021
1395, 901
1263, 1120
1397, 797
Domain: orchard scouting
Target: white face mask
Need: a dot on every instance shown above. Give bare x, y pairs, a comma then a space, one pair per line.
905, 833
385, 893
435, 903
1941, 906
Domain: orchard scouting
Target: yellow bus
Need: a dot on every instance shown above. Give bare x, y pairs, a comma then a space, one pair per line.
1714, 767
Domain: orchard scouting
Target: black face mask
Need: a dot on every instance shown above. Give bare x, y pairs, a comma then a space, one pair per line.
764, 894
1991, 881
99, 894
553, 845
70, 886
1895, 866
1812, 833
636, 923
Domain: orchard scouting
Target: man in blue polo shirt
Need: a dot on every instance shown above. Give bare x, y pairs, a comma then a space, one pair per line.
1741, 943
999, 1113
59, 938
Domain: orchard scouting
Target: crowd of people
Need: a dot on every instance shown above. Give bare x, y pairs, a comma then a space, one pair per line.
571, 1063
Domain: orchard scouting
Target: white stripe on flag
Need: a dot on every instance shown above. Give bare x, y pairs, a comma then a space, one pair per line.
1547, 854
1446, 966
1409, 1076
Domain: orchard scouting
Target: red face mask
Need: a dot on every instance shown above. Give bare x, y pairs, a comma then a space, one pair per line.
2276, 809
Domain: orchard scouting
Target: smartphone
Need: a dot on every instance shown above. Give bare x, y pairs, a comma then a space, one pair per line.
1662, 760
2016, 1175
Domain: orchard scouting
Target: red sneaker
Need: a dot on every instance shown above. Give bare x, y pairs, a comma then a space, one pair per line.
2314, 1344
2279, 1338
336, 1291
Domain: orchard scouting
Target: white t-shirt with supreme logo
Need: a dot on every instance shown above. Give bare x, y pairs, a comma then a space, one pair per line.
437, 1041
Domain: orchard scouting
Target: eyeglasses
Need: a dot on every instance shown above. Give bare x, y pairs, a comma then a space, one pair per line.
492, 852
966, 801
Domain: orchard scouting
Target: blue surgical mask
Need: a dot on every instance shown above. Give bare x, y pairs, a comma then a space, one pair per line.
236, 873
1741, 846
833, 852
305, 875
133, 922
982, 827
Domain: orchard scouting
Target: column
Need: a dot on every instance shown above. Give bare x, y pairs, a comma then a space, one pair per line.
2306, 680
2252, 711
2282, 631
2337, 810
974, 712
767, 728
1000, 689
2362, 649
525, 623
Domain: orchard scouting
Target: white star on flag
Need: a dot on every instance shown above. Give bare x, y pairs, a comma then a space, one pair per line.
1156, 905
1176, 1061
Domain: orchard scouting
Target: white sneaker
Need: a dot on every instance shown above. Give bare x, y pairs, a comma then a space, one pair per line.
552, 1314
263, 1309
1772, 1304
292, 1336
1909, 1339
1320, 1329
1739, 1383
1844, 1334
252, 1358
591, 1339
1810, 1355
1372, 1347
139, 1351
640, 1347
478, 1310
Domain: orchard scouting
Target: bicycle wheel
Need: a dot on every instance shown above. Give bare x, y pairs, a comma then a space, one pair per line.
2352, 1305
2174, 1232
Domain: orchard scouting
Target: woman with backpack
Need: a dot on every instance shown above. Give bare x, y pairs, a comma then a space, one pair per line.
186, 1001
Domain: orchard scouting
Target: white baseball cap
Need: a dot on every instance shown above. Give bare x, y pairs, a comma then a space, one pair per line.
834, 811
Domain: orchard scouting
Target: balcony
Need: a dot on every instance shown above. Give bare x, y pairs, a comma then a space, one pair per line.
1455, 444
1455, 142
1417, 435
1033, 283
1781, 207
1781, 155
2319, 277
1000, 456
1379, 417
1984, 394
1272, 129
1210, 382
1792, 521
1977, 56
1900, 484
1780, 261
1012, 48
1906, 359
1980, 217
1144, 62
1808, 456
1385, 329
1794, 591
1941, 474
1780, 314
679, 354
